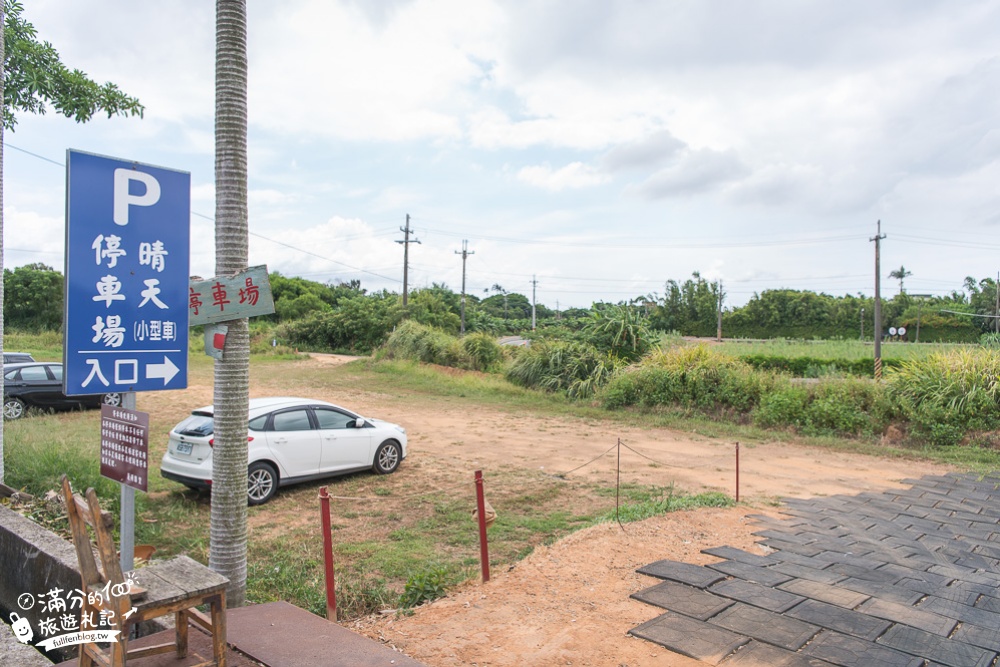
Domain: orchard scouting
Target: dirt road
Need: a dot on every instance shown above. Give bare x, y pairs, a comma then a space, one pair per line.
568, 604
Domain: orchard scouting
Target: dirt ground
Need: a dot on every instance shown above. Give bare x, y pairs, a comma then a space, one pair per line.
568, 604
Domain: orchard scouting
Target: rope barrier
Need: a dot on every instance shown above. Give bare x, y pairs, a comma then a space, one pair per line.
596, 458
557, 475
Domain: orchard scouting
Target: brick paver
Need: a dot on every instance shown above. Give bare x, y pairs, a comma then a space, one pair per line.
909, 577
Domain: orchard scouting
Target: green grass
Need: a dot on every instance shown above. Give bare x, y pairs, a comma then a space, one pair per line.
833, 349
45, 346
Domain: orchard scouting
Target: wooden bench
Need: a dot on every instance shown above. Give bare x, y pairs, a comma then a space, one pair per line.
176, 587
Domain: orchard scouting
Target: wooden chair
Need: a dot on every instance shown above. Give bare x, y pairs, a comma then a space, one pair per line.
174, 587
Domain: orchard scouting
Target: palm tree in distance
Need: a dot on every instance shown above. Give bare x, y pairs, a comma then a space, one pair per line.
900, 274
497, 288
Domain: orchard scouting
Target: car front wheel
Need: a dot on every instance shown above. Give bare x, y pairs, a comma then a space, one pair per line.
387, 458
13, 408
113, 398
262, 482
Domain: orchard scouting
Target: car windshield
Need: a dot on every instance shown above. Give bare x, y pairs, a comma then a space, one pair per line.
197, 424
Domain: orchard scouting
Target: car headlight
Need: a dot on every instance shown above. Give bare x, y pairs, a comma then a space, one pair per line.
399, 428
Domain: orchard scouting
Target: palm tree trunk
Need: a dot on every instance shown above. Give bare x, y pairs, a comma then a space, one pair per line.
228, 551
3, 21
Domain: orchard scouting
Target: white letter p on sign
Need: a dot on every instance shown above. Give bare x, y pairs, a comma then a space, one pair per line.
123, 199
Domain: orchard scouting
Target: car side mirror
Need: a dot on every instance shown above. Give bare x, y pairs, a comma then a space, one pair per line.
359, 422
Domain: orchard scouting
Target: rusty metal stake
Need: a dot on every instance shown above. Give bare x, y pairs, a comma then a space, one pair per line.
331, 585
484, 551
737, 472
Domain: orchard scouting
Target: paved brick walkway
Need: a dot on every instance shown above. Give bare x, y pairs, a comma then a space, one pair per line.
907, 577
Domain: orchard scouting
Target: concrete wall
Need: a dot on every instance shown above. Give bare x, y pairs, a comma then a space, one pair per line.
35, 560
32, 560
15, 654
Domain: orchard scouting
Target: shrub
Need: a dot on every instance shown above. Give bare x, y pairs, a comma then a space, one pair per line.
990, 340
424, 587
418, 342
357, 324
575, 368
620, 330
846, 406
949, 394
815, 367
482, 350
695, 377
785, 406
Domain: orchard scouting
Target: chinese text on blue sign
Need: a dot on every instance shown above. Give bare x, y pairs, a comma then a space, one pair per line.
127, 256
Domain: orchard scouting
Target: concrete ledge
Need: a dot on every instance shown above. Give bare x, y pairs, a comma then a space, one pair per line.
15, 654
36, 560
39, 560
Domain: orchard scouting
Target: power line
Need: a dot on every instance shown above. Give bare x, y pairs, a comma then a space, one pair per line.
667, 245
40, 157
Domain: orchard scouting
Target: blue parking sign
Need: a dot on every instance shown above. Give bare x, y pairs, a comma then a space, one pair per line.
128, 239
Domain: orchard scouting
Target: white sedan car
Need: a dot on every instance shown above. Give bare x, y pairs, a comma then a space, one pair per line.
290, 440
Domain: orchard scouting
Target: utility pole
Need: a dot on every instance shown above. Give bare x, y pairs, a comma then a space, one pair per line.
534, 284
718, 327
406, 253
878, 301
465, 252
863, 325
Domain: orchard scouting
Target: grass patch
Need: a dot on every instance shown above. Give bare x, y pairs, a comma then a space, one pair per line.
834, 349
657, 501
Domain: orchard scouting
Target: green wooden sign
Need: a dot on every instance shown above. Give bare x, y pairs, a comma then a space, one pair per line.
223, 298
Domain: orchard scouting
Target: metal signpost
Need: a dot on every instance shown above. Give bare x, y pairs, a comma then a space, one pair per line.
125, 326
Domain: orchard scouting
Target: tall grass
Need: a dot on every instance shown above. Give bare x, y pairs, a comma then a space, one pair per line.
418, 342
44, 346
696, 377
834, 349
577, 369
947, 395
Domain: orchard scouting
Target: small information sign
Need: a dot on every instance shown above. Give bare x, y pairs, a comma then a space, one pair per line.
223, 298
125, 446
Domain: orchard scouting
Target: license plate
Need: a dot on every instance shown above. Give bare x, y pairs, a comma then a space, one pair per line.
184, 447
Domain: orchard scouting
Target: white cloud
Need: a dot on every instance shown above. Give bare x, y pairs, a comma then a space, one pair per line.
328, 67
695, 173
751, 118
573, 176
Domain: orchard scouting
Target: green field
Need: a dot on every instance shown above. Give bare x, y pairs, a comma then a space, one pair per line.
831, 349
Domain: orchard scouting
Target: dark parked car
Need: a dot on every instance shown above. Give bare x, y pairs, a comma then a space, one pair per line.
39, 384
17, 358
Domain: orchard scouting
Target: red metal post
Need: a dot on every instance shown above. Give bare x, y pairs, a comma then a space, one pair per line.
484, 551
737, 472
331, 584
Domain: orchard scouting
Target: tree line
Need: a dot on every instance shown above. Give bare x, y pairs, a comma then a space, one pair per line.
347, 316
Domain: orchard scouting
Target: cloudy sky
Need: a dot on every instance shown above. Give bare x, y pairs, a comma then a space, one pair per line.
603, 147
